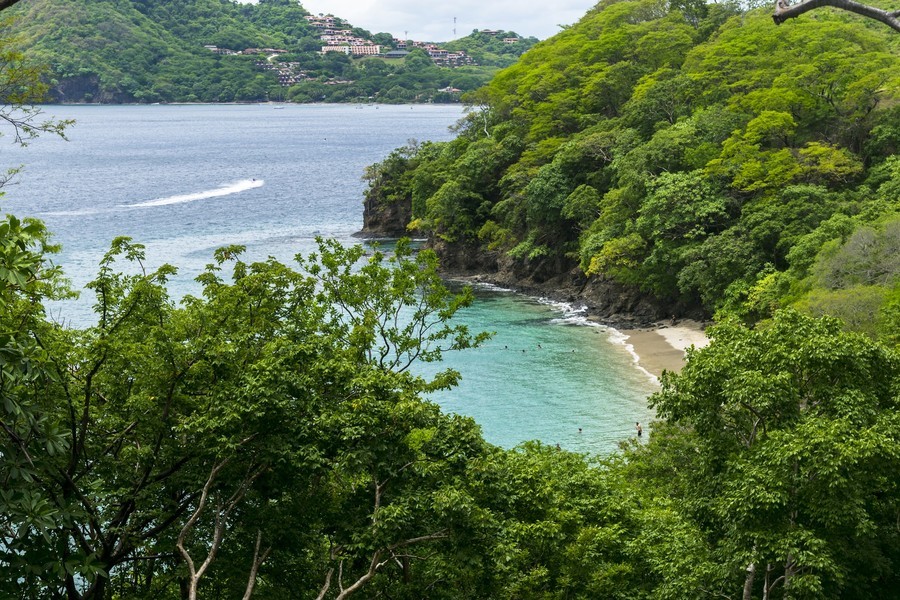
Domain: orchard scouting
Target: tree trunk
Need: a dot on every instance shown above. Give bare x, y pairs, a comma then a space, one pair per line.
97, 590
258, 560
748, 582
407, 573
788, 572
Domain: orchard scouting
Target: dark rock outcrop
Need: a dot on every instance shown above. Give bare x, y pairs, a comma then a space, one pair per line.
560, 279
553, 277
86, 88
385, 219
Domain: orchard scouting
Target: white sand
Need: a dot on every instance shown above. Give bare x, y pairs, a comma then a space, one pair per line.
684, 335
662, 348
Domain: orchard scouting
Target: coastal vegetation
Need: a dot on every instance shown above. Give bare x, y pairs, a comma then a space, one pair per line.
268, 436
696, 155
156, 51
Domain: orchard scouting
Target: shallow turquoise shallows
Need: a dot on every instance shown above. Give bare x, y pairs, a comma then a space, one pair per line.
184, 180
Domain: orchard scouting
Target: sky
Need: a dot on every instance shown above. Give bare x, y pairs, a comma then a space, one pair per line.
425, 20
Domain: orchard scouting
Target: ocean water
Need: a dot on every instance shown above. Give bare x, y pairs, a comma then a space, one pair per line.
187, 179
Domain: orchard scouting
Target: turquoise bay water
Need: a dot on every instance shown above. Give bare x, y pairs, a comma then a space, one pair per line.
547, 374
184, 180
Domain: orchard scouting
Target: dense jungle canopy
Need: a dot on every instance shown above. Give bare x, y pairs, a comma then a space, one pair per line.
696, 152
268, 439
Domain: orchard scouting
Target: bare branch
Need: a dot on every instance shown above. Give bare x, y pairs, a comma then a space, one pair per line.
327, 584
438, 535
785, 11
204, 496
374, 565
258, 560
220, 518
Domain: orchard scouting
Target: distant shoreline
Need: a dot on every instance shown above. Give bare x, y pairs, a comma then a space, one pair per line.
247, 103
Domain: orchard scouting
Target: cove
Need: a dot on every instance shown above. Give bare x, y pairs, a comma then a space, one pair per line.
184, 180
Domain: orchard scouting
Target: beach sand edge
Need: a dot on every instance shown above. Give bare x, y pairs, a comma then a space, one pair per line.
662, 348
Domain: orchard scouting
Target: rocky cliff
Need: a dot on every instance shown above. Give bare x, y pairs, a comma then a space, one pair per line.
553, 276
385, 219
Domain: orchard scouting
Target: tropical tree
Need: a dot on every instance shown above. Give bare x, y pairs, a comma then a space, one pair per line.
793, 469
141, 450
30, 437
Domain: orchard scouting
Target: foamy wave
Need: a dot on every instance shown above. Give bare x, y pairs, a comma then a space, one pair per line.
490, 287
572, 319
617, 337
578, 315
571, 314
225, 190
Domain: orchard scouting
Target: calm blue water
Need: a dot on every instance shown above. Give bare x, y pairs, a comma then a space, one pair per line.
184, 180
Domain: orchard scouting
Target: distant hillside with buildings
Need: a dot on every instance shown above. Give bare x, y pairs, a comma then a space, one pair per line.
224, 51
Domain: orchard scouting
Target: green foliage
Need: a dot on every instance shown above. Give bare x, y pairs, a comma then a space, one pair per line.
859, 307
21, 88
33, 438
682, 206
274, 421
791, 455
718, 264
148, 51
687, 150
582, 205
364, 307
620, 258
491, 49
271, 377
867, 257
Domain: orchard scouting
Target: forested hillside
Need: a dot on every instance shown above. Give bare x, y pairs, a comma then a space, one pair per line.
155, 51
268, 437
697, 154
491, 48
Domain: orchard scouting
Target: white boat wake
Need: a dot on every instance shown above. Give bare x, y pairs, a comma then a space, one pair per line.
225, 190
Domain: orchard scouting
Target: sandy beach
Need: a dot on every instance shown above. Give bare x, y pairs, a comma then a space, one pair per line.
662, 348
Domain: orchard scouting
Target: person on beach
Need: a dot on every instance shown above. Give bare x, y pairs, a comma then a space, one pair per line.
640, 429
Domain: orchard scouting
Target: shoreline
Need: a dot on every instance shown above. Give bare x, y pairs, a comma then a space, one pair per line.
242, 103
655, 345
662, 347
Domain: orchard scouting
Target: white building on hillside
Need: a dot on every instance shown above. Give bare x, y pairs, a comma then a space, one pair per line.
365, 49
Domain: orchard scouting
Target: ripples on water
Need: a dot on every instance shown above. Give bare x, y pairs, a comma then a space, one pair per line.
184, 180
